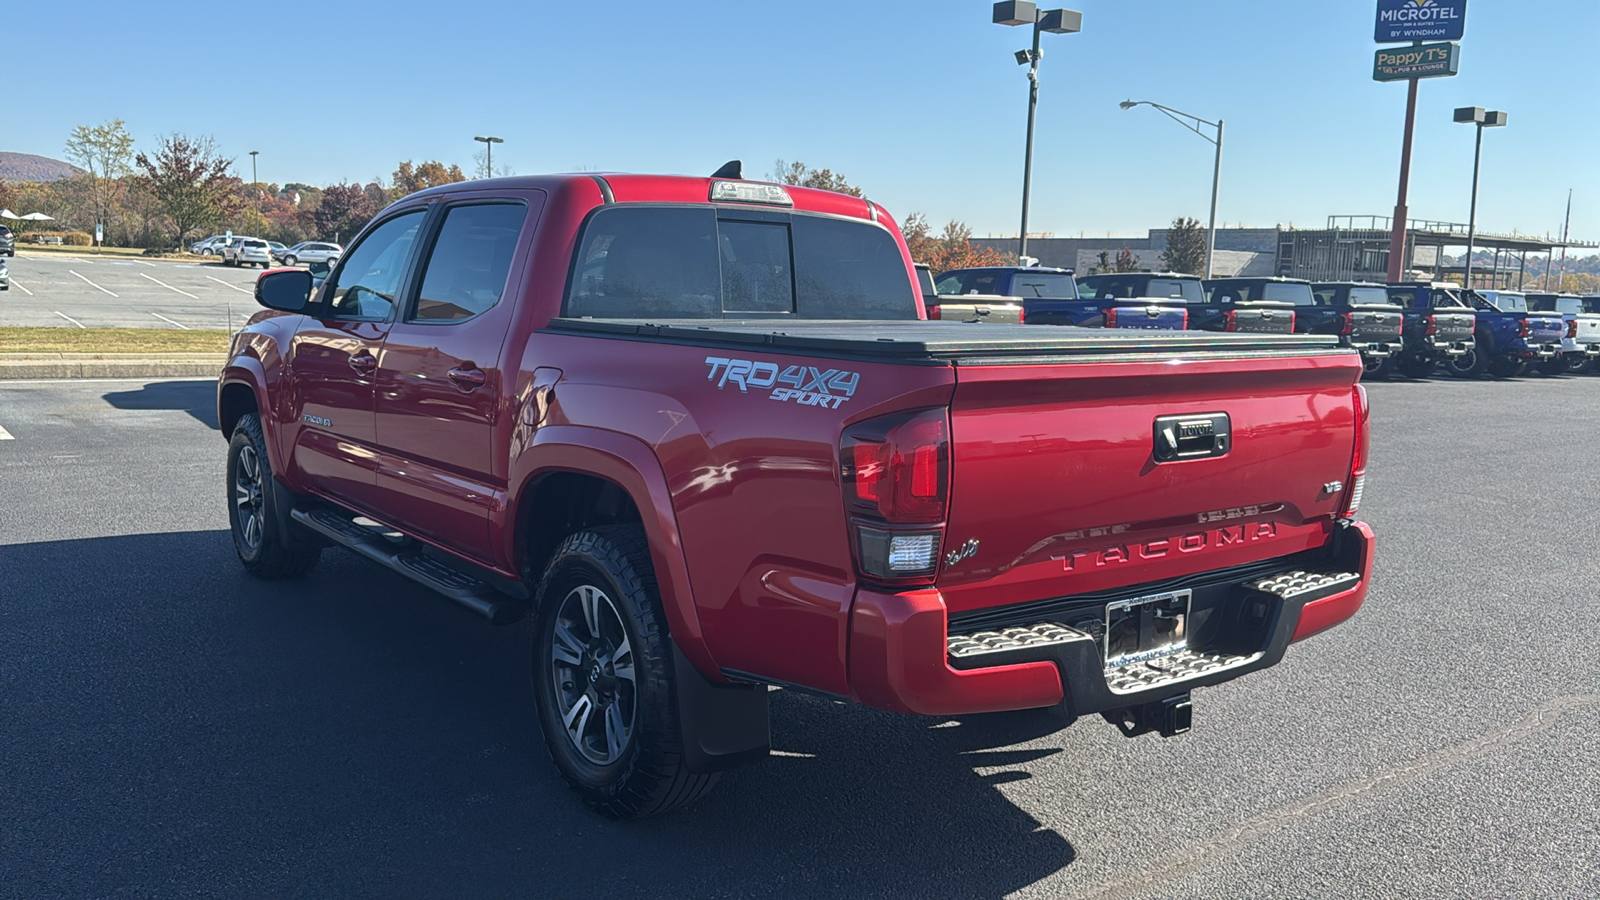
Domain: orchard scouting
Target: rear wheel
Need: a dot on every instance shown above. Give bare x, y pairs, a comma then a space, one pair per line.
1575, 363
603, 677
1377, 369
1470, 364
254, 516
291, 261
1507, 367
1556, 365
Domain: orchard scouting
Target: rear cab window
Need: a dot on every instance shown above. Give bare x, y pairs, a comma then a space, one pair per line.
702, 262
1044, 286
1370, 296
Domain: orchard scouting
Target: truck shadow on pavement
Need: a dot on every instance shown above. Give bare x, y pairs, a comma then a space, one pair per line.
197, 398
174, 726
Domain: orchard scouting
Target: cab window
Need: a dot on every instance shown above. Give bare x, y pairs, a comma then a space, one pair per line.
466, 270
365, 284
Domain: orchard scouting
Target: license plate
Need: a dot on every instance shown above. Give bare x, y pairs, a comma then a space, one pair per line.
1144, 628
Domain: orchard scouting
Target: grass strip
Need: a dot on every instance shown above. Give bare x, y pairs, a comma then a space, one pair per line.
154, 341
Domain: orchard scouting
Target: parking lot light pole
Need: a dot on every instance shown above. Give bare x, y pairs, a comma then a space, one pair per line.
488, 147
1055, 21
1476, 115
253, 179
1193, 123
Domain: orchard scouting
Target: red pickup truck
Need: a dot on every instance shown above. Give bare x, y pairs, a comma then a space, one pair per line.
700, 431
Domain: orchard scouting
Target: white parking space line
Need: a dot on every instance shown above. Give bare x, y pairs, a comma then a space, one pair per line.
92, 284
17, 284
68, 318
165, 319
150, 264
230, 284
5, 435
168, 286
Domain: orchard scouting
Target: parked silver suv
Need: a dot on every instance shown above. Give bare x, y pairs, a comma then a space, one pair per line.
311, 251
243, 251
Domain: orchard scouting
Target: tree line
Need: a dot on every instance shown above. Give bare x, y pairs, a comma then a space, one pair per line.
182, 188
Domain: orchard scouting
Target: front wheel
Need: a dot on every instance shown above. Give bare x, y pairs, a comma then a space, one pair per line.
291, 261
604, 679
254, 516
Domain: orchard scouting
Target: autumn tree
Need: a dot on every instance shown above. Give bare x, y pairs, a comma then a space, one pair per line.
1186, 247
106, 153
409, 178
952, 249
191, 181
801, 175
344, 209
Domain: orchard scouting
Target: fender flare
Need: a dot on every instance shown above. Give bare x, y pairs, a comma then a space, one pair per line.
248, 371
630, 464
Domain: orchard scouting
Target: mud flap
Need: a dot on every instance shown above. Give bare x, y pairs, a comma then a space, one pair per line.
723, 726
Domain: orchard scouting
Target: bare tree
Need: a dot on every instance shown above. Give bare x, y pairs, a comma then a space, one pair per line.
106, 153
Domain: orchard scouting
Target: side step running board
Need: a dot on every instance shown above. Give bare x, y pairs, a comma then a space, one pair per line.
410, 561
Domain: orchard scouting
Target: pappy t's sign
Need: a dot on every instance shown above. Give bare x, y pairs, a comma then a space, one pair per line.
1425, 61
1421, 20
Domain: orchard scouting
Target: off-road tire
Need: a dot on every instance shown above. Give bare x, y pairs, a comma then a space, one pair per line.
649, 775
267, 557
1470, 365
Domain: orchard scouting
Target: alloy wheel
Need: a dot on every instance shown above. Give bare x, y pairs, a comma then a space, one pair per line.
592, 663
247, 497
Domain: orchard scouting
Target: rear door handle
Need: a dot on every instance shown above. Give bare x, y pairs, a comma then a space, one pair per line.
364, 362
468, 377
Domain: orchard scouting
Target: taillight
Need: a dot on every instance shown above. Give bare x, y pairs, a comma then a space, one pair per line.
1349, 323
1185, 325
1022, 315
1358, 462
1291, 321
1433, 326
1572, 328
896, 475
1232, 318
1523, 328
1111, 318
933, 312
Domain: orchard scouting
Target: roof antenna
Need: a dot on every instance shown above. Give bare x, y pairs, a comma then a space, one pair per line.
733, 168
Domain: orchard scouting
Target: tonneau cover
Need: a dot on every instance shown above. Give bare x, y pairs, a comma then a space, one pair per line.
958, 341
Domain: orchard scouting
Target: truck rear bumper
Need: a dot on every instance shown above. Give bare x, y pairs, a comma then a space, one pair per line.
901, 646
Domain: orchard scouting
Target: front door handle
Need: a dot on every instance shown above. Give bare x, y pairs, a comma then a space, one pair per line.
467, 377
364, 362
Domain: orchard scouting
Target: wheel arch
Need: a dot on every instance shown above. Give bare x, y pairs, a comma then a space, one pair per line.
570, 477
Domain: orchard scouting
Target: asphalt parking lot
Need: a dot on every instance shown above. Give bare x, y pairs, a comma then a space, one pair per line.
169, 726
119, 292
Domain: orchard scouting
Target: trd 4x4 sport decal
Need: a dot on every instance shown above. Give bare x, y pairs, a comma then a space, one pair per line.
806, 385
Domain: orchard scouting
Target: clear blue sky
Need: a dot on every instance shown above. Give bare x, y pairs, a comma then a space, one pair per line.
919, 103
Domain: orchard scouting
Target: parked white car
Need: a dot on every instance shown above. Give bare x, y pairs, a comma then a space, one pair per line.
245, 251
5, 276
311, 251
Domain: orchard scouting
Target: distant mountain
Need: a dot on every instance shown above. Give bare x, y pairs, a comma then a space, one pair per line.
27, 167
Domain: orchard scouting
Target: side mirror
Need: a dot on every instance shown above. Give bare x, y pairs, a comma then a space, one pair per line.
319, 269
288, 290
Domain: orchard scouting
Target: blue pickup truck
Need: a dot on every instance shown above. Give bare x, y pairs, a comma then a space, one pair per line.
1514, 340
1364, 314
1158, 301
1048, 296
1250, 305
1439, 328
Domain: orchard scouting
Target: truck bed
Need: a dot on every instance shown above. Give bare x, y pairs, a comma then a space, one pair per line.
955, 342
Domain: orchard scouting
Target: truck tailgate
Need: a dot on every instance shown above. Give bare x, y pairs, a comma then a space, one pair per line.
1452, 327
1375, 325
1546, 328
1151, 315
1055, 471
1261, 318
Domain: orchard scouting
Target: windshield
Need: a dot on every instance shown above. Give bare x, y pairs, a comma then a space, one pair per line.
1295, 292
1370, 296
1044, 285
703, 263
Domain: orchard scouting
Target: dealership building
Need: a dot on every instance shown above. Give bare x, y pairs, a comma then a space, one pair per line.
1350, 248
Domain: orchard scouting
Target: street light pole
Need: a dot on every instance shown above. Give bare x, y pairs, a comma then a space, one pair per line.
488, 146
1193, 123
1055, 21
1476, 115
253, 178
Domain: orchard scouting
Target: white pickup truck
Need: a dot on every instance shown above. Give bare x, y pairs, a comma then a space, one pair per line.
1580, 349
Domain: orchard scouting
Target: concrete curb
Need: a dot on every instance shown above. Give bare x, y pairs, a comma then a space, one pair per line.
16, 366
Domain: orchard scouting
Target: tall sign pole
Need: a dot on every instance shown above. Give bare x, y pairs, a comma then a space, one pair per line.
1414, 22
1397, 233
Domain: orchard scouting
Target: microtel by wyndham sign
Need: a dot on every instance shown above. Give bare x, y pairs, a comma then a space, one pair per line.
1421, 20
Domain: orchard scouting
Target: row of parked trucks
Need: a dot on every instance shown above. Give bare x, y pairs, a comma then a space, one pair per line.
1409, 328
